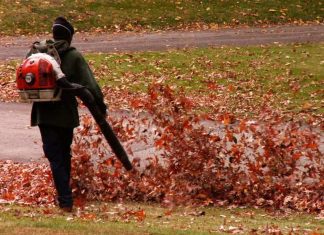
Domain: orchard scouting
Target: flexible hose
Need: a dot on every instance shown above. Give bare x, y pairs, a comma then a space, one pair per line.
88, 99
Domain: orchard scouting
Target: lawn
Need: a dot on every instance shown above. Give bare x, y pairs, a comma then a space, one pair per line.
36, 16
240, 80
132, 218
285, 77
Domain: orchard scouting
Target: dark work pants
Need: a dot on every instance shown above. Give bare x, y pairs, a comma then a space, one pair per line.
57, 149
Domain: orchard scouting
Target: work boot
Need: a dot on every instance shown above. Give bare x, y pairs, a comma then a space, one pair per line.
67, 209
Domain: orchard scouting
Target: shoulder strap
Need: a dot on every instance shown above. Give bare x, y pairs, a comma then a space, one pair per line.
46, 46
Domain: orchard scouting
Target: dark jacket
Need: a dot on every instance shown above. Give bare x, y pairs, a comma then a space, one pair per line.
64, 113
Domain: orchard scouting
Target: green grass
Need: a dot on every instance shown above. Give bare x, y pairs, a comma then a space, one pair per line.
291, 75
36, 16
107, 219
285, 77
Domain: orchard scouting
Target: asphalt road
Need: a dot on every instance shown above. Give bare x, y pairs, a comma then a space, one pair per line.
16, 47
20, 142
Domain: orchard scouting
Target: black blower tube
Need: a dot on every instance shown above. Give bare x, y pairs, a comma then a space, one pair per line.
88, 99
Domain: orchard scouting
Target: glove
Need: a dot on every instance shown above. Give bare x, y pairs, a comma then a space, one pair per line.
64, 83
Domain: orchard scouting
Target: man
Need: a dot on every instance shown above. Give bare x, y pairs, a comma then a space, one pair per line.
57, 119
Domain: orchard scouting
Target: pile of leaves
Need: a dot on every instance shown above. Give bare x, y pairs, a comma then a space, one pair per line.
28, 183
193, 159
201, 161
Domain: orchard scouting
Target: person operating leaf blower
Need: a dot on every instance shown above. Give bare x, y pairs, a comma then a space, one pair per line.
56, 120
51, 76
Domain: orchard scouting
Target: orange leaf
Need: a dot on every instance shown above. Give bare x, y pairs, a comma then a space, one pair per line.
312, 145
8, 196
296, 156
242, 126
79, 202
231, 88
88, 216
227, 119
168, 212
159, 143
136, 103
140, 215
153, 95
212, 85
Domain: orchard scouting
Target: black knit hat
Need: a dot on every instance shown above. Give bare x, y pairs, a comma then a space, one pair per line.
62, 29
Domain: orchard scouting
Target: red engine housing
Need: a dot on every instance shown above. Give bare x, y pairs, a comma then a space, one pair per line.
36, 80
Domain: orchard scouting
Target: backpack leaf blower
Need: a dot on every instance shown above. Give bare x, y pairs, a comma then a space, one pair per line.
39, 78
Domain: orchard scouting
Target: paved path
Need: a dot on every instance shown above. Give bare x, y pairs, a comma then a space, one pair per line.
21, 142
15, 47
18, 141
